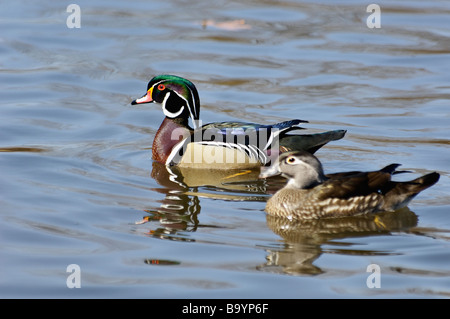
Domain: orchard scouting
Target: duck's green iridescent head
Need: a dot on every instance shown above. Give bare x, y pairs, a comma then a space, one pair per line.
177, 96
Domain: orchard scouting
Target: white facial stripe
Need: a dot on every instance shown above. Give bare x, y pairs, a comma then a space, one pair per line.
195, 115
166, 112
193, 109
156, 84
189, 108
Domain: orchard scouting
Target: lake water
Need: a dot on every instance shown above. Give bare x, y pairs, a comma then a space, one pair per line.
79, 186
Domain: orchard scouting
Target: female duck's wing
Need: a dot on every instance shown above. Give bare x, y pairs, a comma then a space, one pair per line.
352, 184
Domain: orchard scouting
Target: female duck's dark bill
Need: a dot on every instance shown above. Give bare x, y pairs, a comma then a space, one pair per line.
269, 171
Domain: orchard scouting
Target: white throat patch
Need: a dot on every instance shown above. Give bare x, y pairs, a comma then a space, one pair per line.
166, 112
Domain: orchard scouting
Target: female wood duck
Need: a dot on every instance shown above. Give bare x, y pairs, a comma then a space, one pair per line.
309, 193
224, 145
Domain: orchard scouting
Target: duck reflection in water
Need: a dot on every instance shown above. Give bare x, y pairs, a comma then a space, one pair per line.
303, 240
183, 188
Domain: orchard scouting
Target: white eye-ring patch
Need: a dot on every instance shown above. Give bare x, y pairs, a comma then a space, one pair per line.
292, 160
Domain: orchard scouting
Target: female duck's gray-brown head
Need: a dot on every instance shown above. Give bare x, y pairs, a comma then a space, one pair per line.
302, 169
178, 97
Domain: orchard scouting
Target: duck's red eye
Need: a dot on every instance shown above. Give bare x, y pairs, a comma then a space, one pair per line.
161, 87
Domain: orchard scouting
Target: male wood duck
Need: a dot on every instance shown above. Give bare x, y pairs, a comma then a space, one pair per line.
310, 194
224, 145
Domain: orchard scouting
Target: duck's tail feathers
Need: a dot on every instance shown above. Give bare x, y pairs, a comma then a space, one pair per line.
391, 169
401, 193
421, 183
309, 142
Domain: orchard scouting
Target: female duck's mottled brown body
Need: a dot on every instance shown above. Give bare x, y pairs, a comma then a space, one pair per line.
311, 194
303, 203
